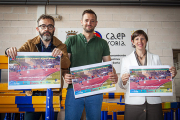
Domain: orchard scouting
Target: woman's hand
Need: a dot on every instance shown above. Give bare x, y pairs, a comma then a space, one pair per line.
173, 71
125, 78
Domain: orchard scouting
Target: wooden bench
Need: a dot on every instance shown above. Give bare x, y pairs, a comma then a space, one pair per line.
169, 108
114, 111
12, 101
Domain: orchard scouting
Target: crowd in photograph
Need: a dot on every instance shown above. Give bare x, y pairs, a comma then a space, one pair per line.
21, 65
152, 75
93, 73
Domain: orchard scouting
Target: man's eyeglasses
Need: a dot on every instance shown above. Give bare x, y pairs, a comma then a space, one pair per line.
50, 27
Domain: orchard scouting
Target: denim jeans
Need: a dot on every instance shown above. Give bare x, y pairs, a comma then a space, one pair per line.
74, 107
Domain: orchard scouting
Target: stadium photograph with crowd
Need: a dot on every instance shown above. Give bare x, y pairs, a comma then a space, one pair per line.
28, 68
150, 79
91, 78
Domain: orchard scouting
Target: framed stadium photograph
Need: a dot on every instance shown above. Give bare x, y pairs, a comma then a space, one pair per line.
92, 79
150, 81
32, 70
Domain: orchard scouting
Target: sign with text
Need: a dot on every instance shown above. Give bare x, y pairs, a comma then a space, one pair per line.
118, 39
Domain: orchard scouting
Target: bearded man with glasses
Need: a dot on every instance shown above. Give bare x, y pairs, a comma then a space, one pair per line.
44, 42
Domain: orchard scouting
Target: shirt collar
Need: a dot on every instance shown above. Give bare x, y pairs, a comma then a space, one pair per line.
42, 44
84, 38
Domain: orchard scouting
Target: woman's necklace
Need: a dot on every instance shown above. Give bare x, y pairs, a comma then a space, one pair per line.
142, 56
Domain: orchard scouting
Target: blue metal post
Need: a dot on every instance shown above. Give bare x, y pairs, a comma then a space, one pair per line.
105, 115
169, 116
21, 116
172, 114
165, 115
178, 113
7, 116
52, 109
120, 98
102, 115
13, 116
114, 116
48, 104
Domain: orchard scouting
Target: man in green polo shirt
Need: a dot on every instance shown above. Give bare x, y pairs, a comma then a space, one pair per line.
84, 49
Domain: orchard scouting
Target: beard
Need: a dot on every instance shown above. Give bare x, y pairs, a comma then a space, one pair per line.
88, 30
46, 37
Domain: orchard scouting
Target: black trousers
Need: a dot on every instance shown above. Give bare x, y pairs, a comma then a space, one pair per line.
143, 112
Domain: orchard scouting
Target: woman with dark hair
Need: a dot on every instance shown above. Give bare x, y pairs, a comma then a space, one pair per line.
140, 108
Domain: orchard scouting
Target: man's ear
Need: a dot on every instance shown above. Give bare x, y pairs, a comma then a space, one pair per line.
37, 28
96, 23
81, 22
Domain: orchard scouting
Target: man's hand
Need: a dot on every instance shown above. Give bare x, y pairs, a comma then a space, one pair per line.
173, 71
68, 78
12, 52
56, 52
125, 78
113, 77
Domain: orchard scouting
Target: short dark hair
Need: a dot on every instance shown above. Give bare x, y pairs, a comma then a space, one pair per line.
90, 12
43, 16
137, 33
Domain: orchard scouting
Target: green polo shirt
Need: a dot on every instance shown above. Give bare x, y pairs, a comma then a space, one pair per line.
85, 53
